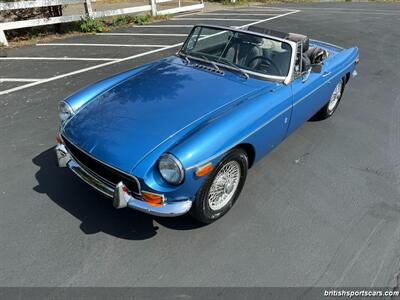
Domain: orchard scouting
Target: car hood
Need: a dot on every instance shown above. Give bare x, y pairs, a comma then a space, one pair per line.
131, 119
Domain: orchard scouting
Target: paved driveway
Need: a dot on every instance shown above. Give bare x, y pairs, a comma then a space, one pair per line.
321, 210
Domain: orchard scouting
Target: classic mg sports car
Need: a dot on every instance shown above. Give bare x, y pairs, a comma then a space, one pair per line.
178, 135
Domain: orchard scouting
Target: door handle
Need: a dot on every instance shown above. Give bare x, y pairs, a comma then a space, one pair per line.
326, 74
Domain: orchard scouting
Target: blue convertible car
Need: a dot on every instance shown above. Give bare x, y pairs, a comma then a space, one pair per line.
178, 135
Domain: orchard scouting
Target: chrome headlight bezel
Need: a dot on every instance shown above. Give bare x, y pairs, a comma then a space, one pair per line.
65, 111
175, 167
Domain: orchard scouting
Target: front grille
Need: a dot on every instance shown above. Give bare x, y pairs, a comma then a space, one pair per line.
103, 172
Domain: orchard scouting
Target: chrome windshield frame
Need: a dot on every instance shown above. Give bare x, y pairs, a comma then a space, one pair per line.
285, 79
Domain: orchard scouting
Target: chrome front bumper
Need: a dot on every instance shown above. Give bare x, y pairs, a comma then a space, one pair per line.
120, 197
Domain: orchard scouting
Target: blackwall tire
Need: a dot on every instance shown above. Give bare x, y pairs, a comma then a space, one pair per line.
222, 188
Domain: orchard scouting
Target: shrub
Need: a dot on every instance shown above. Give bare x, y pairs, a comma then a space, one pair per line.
125, 20
92, 25
142, 19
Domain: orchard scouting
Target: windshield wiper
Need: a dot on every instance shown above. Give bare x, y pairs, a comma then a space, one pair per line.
210, 62
235, 67
206, 59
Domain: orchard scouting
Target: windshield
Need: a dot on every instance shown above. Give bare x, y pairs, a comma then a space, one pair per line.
246, 51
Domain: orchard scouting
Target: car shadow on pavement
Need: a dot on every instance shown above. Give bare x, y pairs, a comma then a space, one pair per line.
94, 210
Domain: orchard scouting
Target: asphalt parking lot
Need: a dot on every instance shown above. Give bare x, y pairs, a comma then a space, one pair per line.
321, 210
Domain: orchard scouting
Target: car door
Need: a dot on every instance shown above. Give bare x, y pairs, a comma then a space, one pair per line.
270, 119
309, 95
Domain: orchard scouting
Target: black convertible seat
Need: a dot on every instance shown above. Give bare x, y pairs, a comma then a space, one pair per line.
244, 51
310, 55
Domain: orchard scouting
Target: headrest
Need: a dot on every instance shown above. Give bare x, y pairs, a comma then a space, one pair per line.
248, 38
295, 37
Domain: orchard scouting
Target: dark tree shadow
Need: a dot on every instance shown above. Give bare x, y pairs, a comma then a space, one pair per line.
94, 210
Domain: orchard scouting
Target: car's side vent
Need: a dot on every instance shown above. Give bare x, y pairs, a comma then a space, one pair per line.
208, 69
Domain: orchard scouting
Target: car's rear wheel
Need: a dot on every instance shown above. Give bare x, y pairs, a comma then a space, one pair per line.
330, 107
222, 188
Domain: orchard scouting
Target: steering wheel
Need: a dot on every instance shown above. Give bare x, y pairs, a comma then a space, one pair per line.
269, 62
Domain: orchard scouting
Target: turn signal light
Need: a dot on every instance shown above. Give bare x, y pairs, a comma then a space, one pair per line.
59, 139
153, 199
205, 169
357, 60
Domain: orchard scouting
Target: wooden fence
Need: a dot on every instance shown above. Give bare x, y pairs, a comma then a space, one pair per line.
150, 8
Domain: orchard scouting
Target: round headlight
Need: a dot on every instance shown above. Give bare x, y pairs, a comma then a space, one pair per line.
171, 169
65, 111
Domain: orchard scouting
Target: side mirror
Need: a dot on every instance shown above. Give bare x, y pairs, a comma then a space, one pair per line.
317, 68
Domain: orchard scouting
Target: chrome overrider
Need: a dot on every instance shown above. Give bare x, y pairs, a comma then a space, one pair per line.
121, 198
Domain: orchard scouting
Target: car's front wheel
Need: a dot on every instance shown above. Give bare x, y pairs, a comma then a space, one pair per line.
222, 188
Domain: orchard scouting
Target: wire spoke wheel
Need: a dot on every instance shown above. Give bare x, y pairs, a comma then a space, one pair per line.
224, 186
221, 188
337, 93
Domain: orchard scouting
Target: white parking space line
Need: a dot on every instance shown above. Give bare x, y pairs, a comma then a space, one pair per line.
277, 9
271, 18
32, 84
236, 14
259, 11
140, 34
162, 26
19, 80
341, 10
58, 58
101, 45
326, 12
22, 87
348, 9
212, 19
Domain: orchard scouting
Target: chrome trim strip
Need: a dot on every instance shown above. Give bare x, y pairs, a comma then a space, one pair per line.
290, 75
238, 29
172, 209
90, 180
91, 172
127, 174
